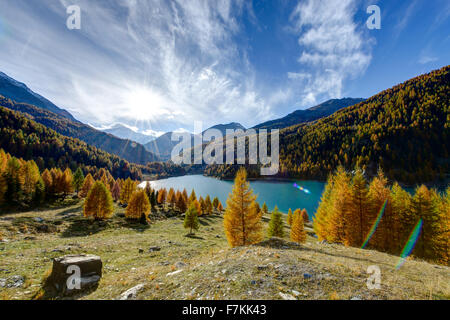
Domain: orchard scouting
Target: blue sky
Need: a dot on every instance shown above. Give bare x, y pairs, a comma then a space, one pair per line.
161, 65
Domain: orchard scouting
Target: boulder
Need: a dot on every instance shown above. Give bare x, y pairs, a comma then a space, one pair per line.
90, 268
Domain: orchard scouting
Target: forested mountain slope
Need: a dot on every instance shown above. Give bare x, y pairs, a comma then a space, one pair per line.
24, 138
403, 130
126, 149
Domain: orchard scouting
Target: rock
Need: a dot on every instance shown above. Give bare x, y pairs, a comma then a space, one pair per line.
307, 276
253, 282
262, 267
30, 238
173, 273
180, 265
141, 250
90, 268
2, 283
153, 249
295, 293
15, 282
218, 237
131, 294
324, 242
38, 219
286, 296
356, 298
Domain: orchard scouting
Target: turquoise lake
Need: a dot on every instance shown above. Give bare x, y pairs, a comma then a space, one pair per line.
275, 193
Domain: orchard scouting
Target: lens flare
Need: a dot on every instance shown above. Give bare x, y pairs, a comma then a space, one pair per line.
375, 225
302, 189
410, 244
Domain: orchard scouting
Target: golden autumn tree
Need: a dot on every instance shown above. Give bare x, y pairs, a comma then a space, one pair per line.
192, 197
162, 196
379, 194
48, 181
359, 206
241, 220
115, 191
139, 206
290, 217
197, 206
87, 185
298, 233
215, 203
202, 206
128, 188
339, 228
98, 203
220, 207
305, 216
276, 226
29, 177
3, 188
320, 220
181, 203
67, 182
191, 219
171, 200
208, 205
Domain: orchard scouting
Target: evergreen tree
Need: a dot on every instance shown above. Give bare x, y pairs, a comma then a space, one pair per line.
138, 207
276, 227
78, 180
191, 219
99, 203
241, 220
298, 233
202, 206
48, 182
12, 175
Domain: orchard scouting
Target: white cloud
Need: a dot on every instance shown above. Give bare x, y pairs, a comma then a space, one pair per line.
332, 48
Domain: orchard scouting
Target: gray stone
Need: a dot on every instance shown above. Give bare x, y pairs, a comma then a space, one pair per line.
131, 294
15, 282
90, 272
153, 249
286, 296
2, 283
38, 219
180, 265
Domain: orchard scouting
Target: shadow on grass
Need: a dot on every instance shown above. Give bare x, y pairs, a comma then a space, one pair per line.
81, 227
281, 244
193, 236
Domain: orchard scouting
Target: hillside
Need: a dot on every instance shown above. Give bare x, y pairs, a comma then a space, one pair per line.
19, 92
300, 116
404, 130
126, 149
200, 267
27, 139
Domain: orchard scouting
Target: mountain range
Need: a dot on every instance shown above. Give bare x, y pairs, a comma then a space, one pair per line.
19, 92
124, 132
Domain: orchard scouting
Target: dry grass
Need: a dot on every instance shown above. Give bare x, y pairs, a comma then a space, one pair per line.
210, 269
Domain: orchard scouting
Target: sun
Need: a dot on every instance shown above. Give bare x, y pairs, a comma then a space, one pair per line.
145, 104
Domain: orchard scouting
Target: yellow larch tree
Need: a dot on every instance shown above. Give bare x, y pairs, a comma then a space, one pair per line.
241, 220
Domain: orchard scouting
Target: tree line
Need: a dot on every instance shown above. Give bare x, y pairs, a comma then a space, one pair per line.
356, 212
